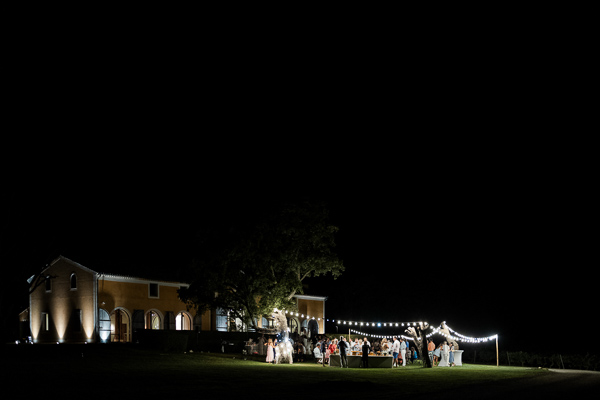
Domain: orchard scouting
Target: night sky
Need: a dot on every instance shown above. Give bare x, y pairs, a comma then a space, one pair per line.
462, 171
499, 237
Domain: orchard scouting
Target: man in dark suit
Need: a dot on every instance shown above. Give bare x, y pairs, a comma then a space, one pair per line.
343, 345
366, 349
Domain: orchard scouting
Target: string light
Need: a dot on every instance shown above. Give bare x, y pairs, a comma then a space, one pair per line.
378, 324
463, 338
380, 336
355, 323
454, 336
457, 336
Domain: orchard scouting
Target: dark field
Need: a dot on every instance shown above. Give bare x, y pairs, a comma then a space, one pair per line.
122, 371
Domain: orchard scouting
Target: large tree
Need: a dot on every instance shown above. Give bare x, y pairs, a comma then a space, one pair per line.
255, 265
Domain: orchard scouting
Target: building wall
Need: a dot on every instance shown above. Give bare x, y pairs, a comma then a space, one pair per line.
132, 296
310, 311
313, 308
135, 296
64, 325
74, 316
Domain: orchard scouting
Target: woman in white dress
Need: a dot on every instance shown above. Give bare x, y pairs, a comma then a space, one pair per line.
445, 355
270, 354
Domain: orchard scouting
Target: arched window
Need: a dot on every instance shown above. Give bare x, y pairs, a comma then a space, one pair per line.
73, 281
183, 322
104, 325
293, 324
305, 324
313, 327
152, 320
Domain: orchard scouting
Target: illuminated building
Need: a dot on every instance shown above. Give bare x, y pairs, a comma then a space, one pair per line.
74, 304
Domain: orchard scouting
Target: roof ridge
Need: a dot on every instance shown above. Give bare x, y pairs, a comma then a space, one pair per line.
113, 274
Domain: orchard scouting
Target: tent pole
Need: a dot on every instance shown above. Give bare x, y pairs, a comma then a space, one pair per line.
497, 354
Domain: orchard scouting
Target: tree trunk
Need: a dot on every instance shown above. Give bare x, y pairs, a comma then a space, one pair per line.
424, 351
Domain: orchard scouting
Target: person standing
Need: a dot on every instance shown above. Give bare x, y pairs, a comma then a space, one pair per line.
445, 355
385, 347
343, 351
270, 354
366, 349
395, 350
333, 346
276, 351
303, 338
403, 352
413, 355
430, 349
436, 355
301, 352
326, 355
377, 347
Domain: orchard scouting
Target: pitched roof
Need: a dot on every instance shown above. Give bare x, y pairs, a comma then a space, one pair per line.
111, 275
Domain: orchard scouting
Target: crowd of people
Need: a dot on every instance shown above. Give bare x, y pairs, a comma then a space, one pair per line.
441, 355
397, 348
321, 347
302, 346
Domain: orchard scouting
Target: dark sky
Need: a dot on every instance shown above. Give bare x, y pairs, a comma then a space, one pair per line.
499, 238
463, 166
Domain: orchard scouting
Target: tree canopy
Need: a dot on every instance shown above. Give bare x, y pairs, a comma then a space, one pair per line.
258, 264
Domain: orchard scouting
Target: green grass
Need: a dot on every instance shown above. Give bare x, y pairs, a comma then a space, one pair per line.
130, 371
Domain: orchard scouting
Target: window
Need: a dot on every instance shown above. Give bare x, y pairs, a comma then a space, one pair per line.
104, 325
313, 327
152, 320
227, 322
73, 281
48, 284
293, 324
183, 322
153, 290
265, 323
221, 319
45, 322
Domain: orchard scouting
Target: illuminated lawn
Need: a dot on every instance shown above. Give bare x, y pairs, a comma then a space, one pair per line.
98, 370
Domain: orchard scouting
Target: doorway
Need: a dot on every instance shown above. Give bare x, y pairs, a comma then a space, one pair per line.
120, 322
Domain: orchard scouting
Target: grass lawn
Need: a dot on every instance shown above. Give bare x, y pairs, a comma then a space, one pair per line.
101, 371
